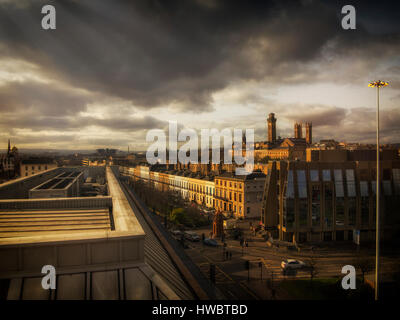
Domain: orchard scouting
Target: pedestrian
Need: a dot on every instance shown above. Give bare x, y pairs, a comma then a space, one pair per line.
247, 244
230, 255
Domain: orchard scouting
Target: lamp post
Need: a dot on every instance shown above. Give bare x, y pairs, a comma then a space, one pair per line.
377, 84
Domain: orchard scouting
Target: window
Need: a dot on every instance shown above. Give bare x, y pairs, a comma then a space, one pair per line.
289, 186
328, 205
340, 211
365, 210
326, 175
303, 212
364, 188
387, 188
316, 205
351, 188
301, 183
314, 175
338, 183
288, 213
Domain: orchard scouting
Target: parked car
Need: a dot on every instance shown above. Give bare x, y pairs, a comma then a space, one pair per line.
292, 264
191, 236
176, 233
210, 242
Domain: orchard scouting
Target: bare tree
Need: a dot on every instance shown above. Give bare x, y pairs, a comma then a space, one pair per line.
365, 264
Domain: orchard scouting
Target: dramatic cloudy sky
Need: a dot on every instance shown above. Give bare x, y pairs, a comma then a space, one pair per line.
114, 69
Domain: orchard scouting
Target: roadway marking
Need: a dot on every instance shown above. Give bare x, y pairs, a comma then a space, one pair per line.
227, 276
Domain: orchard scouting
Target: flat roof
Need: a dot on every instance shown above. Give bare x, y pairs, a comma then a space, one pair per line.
29, 222
62, 181
19, 226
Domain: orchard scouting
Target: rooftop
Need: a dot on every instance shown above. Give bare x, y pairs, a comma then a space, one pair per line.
37, 161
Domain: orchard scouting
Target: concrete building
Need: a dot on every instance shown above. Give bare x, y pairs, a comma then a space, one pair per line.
326, 201
32, 166
239, 196
96, 245
67, 184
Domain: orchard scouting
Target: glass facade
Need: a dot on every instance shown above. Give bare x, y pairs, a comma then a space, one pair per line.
303, 212
340, 211
396, 180
303, 203
351, 193
373, 185
352, 211
328, 205
290, 185
288, 217
288, 203
364, 203
316, 204
351, 185
338, 200
387, 187
339, 183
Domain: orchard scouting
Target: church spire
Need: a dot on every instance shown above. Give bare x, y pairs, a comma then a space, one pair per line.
9, 147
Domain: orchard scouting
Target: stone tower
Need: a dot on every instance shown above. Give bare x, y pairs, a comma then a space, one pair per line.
298, 130
309, 132
271, 128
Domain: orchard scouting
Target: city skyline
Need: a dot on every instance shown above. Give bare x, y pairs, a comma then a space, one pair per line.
100, 80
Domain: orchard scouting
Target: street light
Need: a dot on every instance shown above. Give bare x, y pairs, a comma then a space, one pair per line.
377, 84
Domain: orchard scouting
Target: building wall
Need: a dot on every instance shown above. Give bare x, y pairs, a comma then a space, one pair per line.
240, 197
19, 188
327, 201
233, 196
27, 169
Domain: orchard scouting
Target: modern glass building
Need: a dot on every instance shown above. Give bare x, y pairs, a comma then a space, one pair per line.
327, 201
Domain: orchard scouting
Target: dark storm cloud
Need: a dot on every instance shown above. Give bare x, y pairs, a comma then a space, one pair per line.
319, 115
357, 125
160, 52
43, 122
